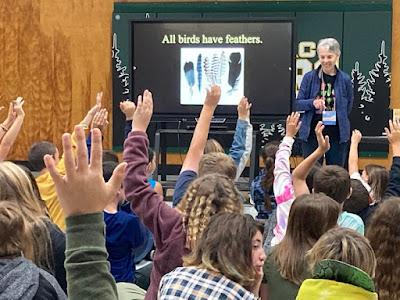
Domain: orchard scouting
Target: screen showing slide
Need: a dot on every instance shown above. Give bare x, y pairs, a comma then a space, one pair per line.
179, 61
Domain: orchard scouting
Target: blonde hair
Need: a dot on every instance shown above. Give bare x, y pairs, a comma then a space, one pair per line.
16, 187
205, 197
345, 245
213, 145
226, 247
14, 237
217, 162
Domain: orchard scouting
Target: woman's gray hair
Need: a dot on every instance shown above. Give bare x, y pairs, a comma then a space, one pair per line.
331, 44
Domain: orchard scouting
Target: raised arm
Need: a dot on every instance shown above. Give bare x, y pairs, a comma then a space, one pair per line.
353, 154
11, 135
83, 194
283, 187
393, 134
8, 121
242, 140
302, 170
200, 134
99, 121
128, 109
145, 202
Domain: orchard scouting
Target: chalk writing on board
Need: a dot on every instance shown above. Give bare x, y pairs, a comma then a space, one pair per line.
121, 69
371, 93
271, 132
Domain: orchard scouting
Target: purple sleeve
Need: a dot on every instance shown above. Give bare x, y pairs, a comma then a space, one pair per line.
145, 202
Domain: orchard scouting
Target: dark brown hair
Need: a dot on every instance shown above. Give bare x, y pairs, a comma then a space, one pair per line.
226, 246
268, 153
359, 199
311, 215
383, 233
333, 181
217, 162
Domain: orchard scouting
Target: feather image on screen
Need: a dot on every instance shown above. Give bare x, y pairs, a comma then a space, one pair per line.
199, 71
188, 68
235, 67
204, 67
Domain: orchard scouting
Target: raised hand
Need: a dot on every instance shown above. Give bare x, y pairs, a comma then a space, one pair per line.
128, 109
17, 107
82, 190
243, 109
323, 142
100, 120
10, 116
92, 112
292, 124
393, 133
143, 112
356, 137
213, 96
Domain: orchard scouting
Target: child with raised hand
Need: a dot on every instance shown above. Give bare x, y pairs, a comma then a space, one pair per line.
128, 109
174, 233
44, 181
334, 181
374, 177
283, 187
83, 195
239, 152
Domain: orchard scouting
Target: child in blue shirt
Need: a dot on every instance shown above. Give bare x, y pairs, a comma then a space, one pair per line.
124, 233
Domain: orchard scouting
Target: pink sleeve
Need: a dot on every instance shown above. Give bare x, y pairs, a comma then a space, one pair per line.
283, 188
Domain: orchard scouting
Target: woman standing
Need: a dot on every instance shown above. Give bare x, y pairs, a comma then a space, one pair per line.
326, 94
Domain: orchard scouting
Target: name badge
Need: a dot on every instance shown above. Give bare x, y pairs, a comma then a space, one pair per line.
329, 117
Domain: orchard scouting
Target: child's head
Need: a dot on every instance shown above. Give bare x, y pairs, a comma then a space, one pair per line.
310, 176
231, 244
268, 153
345, 245
217, 162
383, 233
205, 197
213, 145
378, 178
15, 185
15, 239
359, 199
311, 215
38, 151
333, 181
